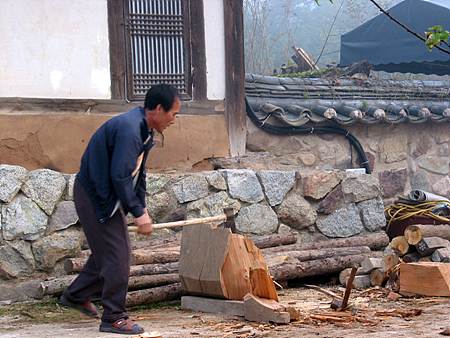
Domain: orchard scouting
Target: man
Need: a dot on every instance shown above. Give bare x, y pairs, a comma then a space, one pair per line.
111, 183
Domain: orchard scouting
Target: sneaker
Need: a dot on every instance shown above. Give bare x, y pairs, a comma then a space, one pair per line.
123, 326
86, 308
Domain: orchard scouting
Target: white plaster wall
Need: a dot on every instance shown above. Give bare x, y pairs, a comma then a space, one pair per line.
215, 48
54, 49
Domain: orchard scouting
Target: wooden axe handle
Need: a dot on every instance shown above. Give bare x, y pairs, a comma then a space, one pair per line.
193, 221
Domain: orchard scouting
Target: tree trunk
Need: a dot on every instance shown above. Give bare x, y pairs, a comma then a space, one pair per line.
294, 269
309, 255
375, 241
274, 240
153, 295
415, 233
154, 269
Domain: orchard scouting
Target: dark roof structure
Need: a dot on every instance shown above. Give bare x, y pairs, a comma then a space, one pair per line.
389, 47
298, 101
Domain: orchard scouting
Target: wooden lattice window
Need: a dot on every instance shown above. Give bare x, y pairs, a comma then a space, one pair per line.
157, 40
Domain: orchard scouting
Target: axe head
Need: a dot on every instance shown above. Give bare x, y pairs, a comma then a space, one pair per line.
229, 222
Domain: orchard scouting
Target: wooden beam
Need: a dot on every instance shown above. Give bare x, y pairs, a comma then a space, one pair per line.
117, 48
198, 50
235, 76
427, 279
265, 310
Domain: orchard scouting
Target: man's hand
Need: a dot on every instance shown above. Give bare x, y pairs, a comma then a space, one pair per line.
144, 224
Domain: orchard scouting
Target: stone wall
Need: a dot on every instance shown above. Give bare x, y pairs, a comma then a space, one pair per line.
403, 156
39, 225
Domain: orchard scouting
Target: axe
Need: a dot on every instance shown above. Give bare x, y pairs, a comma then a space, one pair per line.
227, 219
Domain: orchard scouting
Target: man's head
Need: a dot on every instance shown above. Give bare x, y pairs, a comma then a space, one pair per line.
162, 104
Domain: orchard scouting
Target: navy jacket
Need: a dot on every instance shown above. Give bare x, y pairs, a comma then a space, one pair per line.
109, 160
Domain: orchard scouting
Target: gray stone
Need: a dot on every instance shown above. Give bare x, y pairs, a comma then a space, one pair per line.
393, 181
393, 148
434, 164
64, 216
68, 193
16, 259
333, 201
216, 180
276, 184
284, 229
420, 180
212, 205
45, 187
318, 184
161, 205
358, 188
191, 188
372, 214
23, 219
51, 249
442, 187
257, 219
342, 223
11, 180
296, 212
244, 185
156, 183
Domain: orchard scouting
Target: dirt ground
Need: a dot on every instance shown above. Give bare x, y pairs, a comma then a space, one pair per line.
372, 315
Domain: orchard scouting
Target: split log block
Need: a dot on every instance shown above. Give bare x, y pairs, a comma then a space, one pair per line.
390, 261
428, 245
217, 263
441, 255
400, 245
374, 240
211, 305
415, 233
361, 282
265, 310
426, 279
345, 274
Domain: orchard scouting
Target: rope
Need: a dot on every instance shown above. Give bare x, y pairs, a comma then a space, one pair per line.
402, 211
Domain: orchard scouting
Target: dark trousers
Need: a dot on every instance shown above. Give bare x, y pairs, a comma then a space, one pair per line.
107, 269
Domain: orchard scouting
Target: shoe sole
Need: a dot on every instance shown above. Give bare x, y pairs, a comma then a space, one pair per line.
65, 302
113, 330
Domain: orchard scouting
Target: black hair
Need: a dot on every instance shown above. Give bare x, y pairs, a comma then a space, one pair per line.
162, 94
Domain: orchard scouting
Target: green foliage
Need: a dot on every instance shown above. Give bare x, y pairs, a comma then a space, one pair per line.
435, 36
309, 73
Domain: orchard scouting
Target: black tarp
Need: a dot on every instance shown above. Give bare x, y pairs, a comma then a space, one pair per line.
388, 47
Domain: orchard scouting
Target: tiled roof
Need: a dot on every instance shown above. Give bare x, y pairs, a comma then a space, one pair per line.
347, 101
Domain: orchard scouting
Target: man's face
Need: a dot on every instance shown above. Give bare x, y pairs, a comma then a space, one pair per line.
163, 118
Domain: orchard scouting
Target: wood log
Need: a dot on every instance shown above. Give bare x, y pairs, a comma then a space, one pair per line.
370, 264
56, 286
415, 233
314, 254
375, 241
154, 269
138, 257
274, 240
378, 277
294, 269
390, 261
154, 295
426, 279
428, 245
345, 274
441, 255
400, 245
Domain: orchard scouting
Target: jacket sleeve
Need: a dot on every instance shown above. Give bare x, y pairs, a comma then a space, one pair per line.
142, 187
127, 148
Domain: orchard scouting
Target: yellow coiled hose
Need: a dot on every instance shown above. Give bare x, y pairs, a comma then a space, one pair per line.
402, 211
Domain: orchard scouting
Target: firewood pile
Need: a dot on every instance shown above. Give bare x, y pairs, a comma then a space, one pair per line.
155, 263
414, 263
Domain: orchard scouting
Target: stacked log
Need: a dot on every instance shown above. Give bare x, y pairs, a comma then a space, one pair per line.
155, 266
419, 243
